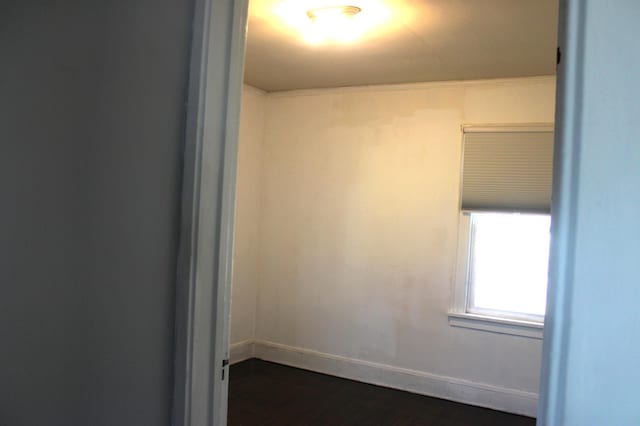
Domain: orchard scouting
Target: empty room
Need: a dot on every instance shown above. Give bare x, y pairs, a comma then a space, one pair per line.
392, 212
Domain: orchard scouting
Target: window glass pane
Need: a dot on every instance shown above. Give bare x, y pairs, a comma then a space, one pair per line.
509, 263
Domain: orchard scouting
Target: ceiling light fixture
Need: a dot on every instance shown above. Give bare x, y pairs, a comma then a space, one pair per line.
334, 23
333, 12
330, 22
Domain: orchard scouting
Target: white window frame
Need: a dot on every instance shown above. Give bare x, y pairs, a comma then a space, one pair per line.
514, 315
458, 314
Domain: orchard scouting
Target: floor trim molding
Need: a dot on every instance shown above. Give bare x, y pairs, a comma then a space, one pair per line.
241, 351
479, 394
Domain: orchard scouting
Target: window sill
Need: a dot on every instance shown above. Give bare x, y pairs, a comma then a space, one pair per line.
499, 325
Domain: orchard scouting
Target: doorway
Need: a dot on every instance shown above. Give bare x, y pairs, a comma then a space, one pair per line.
348, 202
583, 93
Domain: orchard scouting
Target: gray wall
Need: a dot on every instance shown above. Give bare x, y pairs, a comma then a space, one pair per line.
591, 348
92, 100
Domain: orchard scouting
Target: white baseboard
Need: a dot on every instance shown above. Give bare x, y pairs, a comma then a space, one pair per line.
241, 351
480, 394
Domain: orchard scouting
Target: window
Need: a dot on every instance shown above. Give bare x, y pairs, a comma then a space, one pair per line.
504, 232
508, 264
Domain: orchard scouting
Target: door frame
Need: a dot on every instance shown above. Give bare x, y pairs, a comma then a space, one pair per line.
205, 251
565, 190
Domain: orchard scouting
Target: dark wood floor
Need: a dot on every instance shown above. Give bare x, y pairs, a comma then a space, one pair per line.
267, 394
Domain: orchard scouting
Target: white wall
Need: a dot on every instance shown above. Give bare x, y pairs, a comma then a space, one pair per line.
346, 231
245, 271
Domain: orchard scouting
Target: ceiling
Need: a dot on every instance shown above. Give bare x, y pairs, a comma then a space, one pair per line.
414, 41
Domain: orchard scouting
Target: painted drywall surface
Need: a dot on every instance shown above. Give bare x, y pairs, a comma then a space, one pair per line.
421, 41
245, 260
92, 129
359, 222
592, 356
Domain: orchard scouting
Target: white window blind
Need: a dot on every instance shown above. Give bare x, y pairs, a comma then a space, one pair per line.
507, 170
